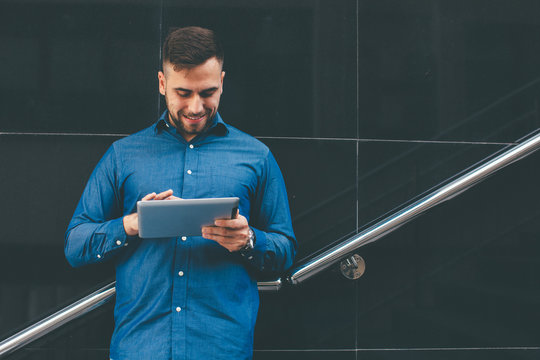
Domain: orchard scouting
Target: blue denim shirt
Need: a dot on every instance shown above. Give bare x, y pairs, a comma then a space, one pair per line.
183, 298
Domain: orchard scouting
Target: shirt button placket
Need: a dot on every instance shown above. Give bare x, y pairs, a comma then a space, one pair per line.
190, 169
179, 294
181, 264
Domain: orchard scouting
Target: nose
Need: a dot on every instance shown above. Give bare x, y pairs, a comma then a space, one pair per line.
196, 105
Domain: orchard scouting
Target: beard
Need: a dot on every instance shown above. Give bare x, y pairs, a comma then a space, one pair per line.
192, 129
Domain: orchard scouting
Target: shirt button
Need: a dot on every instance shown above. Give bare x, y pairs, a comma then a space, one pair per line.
99, 256
178, 309
191, 146
180, 273
184, 238
189, 172
118, 242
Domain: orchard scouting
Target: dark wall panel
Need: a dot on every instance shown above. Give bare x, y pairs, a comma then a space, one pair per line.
392, 174
463, 275
78, 67
448, 354
452, 81
42, 178
448, 70
305, 355
320, 177
292, 318
290, 68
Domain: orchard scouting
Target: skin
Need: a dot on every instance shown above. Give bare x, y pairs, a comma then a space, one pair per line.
192, 97
232, 234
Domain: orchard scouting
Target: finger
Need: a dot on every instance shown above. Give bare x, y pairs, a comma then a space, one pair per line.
238, 222
149, 196
232, 224
219, 231
164, 195
231, 245
223, 241
172, 197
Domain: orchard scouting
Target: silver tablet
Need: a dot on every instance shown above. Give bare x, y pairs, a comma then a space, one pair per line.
186, 217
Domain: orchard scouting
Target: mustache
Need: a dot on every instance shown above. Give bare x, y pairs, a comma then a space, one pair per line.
206, 112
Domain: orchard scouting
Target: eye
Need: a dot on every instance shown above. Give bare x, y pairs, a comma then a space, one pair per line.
208, 93
184, 94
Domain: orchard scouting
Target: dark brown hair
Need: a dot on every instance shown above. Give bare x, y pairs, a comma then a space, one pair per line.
191, 46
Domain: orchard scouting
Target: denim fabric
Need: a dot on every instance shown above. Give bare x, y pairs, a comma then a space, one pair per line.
183, 298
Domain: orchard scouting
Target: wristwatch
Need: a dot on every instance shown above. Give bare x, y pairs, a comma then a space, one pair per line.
250, 243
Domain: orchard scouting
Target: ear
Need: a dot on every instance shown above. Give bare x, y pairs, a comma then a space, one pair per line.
222, 77
162, 82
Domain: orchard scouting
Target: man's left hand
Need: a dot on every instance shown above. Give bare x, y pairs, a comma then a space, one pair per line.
232, 234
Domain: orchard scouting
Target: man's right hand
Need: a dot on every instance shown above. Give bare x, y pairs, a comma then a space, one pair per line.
131, 221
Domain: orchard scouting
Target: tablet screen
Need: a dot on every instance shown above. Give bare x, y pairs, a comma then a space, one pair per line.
184, 217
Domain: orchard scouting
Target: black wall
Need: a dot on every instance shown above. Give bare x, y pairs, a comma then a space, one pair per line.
365, 104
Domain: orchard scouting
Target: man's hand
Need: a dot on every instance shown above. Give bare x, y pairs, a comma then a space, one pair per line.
131, 221
232, 234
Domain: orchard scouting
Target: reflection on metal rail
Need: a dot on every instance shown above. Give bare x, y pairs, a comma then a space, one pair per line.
314, 266
59, 318
76, 310
393, 221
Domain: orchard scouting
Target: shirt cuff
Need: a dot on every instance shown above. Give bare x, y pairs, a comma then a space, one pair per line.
115, 237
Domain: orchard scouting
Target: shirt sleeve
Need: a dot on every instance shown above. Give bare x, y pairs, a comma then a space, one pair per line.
275, 245
96, 230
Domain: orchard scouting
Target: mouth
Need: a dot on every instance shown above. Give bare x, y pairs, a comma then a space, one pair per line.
194, 119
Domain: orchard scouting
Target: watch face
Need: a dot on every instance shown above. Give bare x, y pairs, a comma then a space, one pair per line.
250, 244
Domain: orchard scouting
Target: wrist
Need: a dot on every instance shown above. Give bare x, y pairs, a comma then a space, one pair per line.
130, 223
250, 244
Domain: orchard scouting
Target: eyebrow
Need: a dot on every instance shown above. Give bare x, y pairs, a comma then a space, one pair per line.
188, 90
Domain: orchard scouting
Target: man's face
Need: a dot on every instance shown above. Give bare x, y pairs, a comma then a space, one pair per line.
192, 95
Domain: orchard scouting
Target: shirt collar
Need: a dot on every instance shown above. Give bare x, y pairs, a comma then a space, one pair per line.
218, 126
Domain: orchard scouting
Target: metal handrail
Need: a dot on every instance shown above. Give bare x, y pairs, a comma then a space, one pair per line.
59, 318
78, 309
309, 269
393, 221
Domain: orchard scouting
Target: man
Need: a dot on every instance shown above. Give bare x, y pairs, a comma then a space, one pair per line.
185, 297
